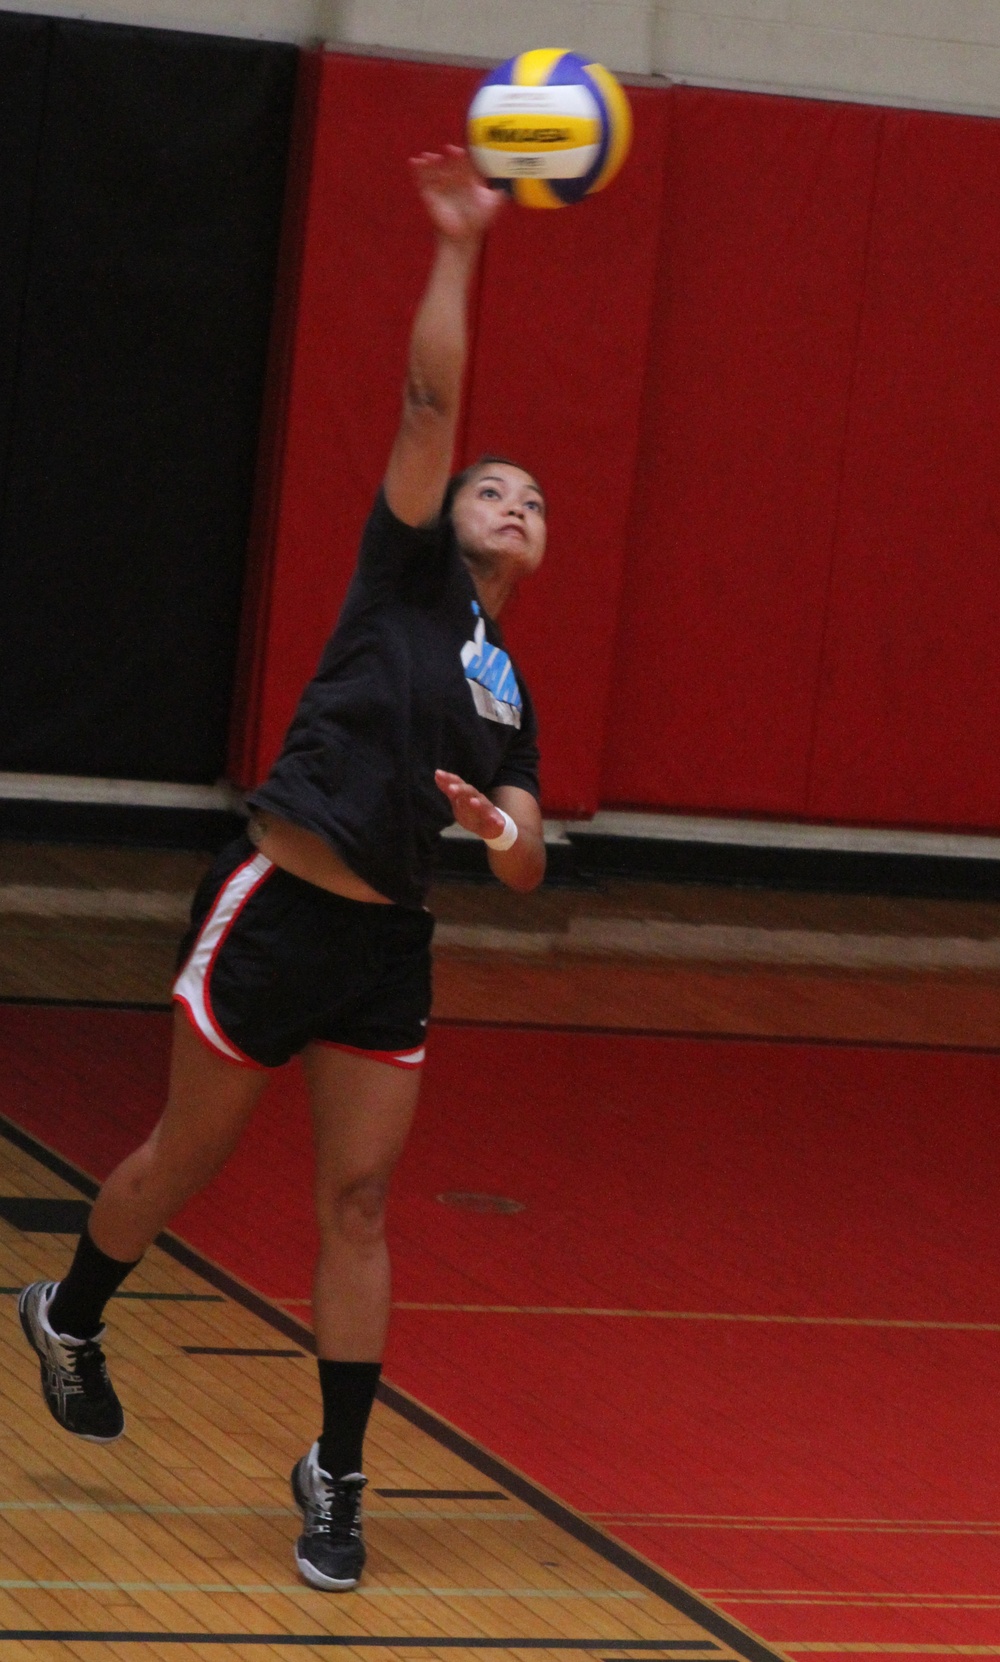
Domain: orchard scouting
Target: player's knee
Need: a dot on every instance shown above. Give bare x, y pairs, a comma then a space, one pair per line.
357, 1211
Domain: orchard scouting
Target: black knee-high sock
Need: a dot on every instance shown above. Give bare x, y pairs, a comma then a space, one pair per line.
348, 1393
78, 1303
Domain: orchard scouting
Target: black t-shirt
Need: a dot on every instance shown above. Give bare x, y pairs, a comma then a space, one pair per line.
415, 677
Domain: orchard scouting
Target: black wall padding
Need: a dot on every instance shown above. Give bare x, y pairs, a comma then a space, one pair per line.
23, 57
125, 507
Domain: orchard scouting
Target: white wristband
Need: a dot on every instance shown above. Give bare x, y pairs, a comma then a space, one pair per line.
504, 839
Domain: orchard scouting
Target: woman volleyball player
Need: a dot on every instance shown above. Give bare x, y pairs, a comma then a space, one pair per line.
309, 935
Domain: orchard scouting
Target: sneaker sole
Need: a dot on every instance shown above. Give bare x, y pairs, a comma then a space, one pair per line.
83, 1436
325, 1583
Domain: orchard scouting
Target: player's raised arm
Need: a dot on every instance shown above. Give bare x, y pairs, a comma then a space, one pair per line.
461, 207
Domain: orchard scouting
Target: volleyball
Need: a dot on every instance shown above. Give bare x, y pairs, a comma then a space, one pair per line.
549, 128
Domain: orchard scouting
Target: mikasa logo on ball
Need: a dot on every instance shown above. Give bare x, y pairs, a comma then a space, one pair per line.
499, 134
512, 129
549, 127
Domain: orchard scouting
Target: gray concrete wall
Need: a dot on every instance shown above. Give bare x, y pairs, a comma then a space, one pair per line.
938, 54
287, 20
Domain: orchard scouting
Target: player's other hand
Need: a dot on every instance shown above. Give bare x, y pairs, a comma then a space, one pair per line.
459, 202
473, 811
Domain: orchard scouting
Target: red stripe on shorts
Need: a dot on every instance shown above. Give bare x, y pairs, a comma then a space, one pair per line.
393, 1058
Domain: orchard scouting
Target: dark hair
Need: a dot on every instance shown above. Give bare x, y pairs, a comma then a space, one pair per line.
457, 480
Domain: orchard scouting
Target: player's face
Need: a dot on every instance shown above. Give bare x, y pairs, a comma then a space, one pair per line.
500, 514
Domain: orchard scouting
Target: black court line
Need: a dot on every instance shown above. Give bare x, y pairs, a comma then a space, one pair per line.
43, 1214
629, 1647
440, 1494
236, 1350
158, 1008
806, 1041
162, 1298
644, 1574
175, 1298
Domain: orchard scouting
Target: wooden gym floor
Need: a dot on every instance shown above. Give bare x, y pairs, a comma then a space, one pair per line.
181, 1535
803, 1336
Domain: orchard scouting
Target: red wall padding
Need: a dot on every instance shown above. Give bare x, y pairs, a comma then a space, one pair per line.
758, 296
910, 701
758, 380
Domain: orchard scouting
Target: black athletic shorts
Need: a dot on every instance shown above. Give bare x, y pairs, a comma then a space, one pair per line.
271, 963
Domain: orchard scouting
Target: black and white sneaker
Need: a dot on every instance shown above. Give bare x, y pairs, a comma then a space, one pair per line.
330, 1552
75, 1383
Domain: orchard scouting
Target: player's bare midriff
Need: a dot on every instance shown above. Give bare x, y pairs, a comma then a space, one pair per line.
308, 856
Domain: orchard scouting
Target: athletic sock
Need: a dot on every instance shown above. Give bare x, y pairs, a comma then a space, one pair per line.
77, 1306
348, 1393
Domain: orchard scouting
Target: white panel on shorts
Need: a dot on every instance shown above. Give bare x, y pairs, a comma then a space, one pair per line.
192, 985
398, 1058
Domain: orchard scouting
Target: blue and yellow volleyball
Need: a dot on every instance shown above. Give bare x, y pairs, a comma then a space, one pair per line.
549, 127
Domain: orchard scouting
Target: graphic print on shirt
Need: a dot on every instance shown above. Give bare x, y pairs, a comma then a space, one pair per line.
491, 679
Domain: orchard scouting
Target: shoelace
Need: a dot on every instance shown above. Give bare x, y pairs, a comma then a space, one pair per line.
91, 1369
338, 1511
82, 1367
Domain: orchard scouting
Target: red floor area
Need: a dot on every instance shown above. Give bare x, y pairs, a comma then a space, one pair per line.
825, 1482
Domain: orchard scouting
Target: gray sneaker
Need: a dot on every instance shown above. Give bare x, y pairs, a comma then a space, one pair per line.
75, 1383
330, 1552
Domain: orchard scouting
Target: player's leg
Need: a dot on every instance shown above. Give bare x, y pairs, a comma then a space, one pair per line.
209, 1101
213, 1087
362, 1111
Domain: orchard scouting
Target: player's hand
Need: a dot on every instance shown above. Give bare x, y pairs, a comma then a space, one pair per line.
472, 810
458, 200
